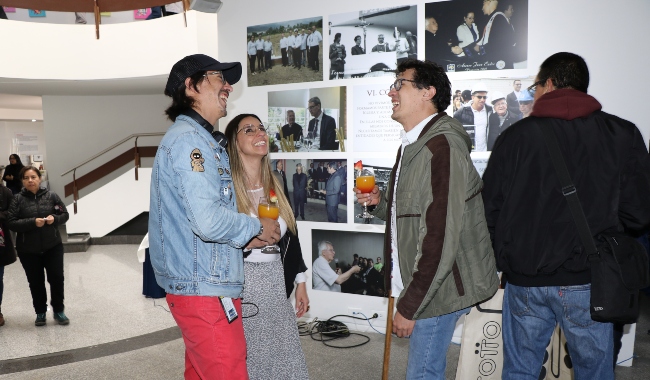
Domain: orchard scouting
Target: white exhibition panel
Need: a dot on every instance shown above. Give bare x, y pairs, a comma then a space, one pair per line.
112, 205
127, 50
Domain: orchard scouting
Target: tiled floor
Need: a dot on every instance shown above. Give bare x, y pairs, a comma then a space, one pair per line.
116, 333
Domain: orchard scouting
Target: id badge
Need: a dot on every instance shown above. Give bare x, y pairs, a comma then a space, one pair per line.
228, 308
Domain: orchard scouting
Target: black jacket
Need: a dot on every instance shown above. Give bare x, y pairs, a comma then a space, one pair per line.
21, 217
534, 236
6, 196
291, 259
494, 130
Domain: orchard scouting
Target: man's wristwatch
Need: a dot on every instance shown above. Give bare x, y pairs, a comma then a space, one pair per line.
261, 229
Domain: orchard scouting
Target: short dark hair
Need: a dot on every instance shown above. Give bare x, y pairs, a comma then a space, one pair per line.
467, 95
182, 103
516, 80
331, 165
426, 74
337, 36
315, 100
357, 36
25, 169
566, 70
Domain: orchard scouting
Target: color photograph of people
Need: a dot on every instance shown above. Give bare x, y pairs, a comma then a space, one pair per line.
348, 262
370, 43
317, 189
307, 120
382, 169
474, 35
285, 52
487, 107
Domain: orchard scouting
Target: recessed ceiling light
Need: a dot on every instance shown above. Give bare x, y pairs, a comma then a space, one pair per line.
33, 120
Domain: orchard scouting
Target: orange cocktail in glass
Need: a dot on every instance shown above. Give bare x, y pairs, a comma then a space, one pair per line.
268, 210
365, 183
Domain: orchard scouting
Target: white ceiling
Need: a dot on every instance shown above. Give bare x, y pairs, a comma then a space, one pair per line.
26, 93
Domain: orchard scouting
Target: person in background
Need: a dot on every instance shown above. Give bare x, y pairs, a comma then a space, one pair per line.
381, 46
331, 192
299, 192
357, 49
279, 171
292, 128
413, 45
297, 53
379, 264
467, 34
283, 50
458, 103
513, 98
303, 46
6, 197
401, 47
268, 52
35, 214
526, 104
272, 341
337, 56
314, 47
259, 46
252, 53
11, 175
500, 119
324, 277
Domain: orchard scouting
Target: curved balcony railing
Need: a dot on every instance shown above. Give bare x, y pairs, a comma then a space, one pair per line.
134, 154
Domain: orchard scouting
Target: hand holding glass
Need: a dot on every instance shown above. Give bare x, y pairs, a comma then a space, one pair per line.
365, 183
266, 209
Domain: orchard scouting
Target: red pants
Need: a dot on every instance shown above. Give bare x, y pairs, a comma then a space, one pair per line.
214, 348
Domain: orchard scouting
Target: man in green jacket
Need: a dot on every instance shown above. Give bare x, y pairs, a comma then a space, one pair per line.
437, 247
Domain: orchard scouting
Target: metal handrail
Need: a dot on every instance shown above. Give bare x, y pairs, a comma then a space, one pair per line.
136, 135
75, 192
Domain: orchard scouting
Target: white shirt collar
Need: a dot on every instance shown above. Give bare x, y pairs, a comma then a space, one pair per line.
412, 136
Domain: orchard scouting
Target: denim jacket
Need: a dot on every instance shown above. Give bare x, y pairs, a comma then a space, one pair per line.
195, 231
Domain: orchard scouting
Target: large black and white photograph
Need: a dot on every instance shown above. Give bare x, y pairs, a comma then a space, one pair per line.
475, 35
348, 262
370, 43
317, 189
285, 52
307, 120
487, 107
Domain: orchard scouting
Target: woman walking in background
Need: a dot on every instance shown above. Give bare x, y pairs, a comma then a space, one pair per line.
12, 174
272, 342
35, 214
8, 254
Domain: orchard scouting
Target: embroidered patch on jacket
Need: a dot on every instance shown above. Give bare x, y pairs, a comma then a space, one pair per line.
197, 160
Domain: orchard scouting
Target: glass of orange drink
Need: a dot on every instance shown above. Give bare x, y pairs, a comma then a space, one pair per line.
269, 209
365, 182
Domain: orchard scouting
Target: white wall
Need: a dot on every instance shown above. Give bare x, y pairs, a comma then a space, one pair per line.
590, 28
8, 130
78, 127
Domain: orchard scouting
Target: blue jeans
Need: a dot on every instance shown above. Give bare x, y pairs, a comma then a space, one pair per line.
529, 318
428, 346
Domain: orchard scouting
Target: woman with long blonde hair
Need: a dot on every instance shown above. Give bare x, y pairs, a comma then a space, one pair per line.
272, 342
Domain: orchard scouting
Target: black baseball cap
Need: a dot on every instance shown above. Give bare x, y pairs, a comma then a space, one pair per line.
195, 63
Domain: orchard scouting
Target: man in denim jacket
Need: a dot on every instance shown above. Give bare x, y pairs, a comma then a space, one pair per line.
196, 234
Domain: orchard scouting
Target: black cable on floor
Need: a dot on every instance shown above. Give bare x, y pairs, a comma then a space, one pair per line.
329, 330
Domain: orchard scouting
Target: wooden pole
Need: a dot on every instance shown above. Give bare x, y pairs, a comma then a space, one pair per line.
389, 334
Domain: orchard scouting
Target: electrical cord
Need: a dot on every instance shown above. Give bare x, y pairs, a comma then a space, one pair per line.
257, 309
330, 330
160, 306
368, 319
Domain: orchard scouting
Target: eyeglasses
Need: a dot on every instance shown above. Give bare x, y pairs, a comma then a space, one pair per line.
480, 96
397, 85
219, 73
251, 130
533, 87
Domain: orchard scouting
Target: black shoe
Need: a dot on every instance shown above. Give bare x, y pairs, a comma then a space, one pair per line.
61, 318
302, 217
40, 320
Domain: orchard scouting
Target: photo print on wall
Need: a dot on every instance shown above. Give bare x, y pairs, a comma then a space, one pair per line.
307, 120
503, 102
317, 189
36, 13
355, 256
370, 43
475, 35
285, 52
